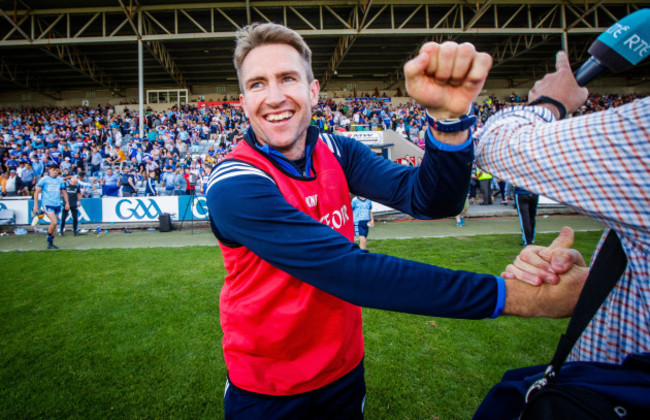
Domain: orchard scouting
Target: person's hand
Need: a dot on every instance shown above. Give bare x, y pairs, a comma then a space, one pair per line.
536, 265
561, 86
446, 78
546, 282
67, 206
547, 300
371, 223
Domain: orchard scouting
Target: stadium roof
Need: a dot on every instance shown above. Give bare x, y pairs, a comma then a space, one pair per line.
55, 46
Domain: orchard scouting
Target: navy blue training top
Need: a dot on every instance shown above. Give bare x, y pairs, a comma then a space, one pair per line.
247, 209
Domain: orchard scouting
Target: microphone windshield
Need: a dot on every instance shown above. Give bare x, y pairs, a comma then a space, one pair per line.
625, 43
620, 47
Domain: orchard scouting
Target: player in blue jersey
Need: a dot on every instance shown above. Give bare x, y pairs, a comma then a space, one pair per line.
363, 219
50, 188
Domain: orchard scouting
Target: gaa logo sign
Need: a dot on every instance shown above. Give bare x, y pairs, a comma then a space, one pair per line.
138, 209
200, 208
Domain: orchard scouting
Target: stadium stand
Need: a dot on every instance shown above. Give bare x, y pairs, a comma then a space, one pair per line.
188, 136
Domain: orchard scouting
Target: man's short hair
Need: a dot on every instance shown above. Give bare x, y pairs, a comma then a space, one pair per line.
258, 34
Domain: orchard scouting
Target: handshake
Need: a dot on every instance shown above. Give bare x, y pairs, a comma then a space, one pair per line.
545, 281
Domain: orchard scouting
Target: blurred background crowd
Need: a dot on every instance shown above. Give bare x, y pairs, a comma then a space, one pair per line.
102, 146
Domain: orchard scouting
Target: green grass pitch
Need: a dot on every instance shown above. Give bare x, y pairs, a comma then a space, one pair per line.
134, 333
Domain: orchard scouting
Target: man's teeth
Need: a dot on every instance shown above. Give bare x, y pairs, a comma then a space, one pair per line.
279, 117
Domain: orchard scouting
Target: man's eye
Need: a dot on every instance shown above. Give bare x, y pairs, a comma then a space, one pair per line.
255, 85
288, 79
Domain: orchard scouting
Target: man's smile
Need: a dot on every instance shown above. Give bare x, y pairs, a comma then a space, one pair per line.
279, 117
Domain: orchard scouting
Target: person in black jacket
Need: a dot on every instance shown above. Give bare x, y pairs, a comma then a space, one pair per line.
74, 194
127, 181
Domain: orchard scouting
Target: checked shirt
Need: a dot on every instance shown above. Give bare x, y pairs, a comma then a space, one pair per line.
599, 164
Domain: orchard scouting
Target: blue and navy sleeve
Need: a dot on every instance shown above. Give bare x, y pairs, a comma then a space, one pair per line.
247, 209
435, 189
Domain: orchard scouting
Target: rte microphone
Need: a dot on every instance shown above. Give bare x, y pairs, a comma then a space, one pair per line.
620, 47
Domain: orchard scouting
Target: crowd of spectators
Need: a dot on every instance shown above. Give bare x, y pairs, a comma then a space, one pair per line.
105, 149
601, 102
180, 146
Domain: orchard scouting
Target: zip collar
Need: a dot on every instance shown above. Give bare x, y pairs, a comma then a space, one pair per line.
301, 168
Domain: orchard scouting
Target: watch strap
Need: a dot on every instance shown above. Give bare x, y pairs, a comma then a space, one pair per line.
546, 100
453, 125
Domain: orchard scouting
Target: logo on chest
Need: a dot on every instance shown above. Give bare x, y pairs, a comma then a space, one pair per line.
337, 218
311, 200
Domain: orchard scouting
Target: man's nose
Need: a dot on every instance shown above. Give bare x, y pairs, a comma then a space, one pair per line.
275, 93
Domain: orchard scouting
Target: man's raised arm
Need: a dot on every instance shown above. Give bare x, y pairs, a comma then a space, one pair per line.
445, 79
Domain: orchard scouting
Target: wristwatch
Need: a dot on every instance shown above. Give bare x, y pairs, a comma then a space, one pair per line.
546, 100
453, 125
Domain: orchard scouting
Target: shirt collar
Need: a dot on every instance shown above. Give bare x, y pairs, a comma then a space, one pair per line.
292, 167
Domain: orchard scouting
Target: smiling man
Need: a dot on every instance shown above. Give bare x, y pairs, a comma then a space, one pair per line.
278, 97
280, 206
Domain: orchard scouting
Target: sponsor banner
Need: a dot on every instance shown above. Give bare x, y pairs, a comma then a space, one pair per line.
218, 103
366, 137
192, 207
382, 99
137, 209
89, 211
119, 209
22, 209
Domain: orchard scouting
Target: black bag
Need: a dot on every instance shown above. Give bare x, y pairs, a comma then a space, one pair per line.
165, 222
570, 402
581, 390
577, 390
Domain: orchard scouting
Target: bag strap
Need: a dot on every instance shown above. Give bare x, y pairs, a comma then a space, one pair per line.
603, 275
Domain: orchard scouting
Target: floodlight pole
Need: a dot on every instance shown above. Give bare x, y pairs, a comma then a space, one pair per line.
140, 78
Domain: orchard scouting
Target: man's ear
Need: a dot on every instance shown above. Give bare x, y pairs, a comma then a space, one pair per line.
242, 101
314, 90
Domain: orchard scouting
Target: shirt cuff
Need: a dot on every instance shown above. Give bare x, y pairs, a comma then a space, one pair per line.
501, 297
448, 147
540, 111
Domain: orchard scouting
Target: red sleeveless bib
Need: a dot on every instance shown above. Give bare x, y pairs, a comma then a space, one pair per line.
281, 335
